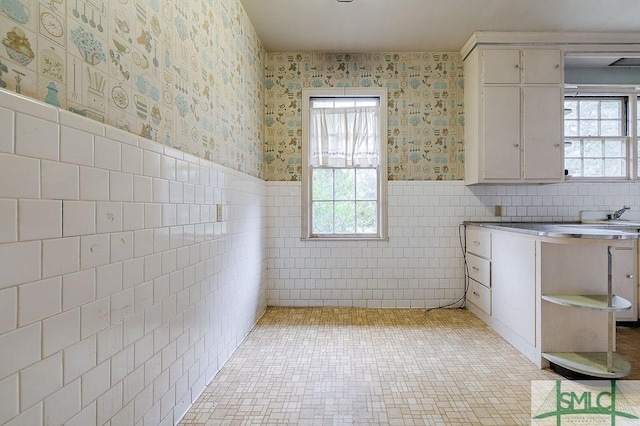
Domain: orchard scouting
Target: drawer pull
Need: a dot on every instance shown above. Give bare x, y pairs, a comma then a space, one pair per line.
475, 268
476, 243
476, 294
630, 276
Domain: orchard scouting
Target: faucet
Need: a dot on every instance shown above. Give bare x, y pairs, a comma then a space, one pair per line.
618, 213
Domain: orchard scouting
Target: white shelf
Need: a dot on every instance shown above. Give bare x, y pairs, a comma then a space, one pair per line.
590, 363
596, 302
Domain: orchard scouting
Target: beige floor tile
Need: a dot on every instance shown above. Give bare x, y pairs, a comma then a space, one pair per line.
330, 366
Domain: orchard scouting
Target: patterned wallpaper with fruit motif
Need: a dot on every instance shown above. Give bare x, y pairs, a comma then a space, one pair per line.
188, 74
424, 112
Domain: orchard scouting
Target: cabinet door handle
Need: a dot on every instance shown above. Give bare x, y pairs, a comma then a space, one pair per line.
475, 268
630, 276
516, 145
476, 243
476, 294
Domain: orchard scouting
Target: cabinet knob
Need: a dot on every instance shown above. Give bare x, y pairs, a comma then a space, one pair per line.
476, 243
557, 145
516, 145
517, 66
557, 65
630, 276
476, 294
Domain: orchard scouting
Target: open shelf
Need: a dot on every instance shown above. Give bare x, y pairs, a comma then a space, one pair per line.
596, 302
590, 363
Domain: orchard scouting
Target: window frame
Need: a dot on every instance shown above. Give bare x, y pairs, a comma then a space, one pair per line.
382, 170
630, 123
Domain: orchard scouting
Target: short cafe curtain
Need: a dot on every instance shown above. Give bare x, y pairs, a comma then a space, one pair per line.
344, 137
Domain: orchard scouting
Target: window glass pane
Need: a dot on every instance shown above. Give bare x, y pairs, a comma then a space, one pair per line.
610, 110
593, 148
589, 128
614, 168
366, 184
345, 217
322, 184
574, 167
593, 167
614, 149
322, 103
570, 110
344, 103
572, 149
344, 184
367, 217
322, 217
610, 128
571, 128
367, 102
589, 109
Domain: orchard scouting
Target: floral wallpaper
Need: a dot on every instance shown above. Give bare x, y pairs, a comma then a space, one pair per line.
425, 111
187, 74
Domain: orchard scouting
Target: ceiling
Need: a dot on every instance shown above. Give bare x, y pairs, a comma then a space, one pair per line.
423, 25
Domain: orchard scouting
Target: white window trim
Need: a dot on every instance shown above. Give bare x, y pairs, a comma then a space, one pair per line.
632, 95
307, 94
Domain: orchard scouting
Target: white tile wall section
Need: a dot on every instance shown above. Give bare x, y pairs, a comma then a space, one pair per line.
421, 265
114, 304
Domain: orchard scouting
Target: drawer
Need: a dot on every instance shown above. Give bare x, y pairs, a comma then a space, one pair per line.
480, 296
479, 269
479, 242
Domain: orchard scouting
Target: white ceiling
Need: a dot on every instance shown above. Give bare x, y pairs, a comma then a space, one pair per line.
423, 25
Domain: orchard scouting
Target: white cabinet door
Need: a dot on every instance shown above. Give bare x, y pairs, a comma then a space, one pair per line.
513, 284
625, 281
501, 66
501, 132
542, 127
542, 66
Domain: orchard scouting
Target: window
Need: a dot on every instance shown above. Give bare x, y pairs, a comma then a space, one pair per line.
344, 163
596, 137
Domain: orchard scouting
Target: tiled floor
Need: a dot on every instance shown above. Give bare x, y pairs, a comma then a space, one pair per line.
326, 366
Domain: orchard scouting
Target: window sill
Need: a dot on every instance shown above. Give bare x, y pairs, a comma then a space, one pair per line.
325, 239
598, 180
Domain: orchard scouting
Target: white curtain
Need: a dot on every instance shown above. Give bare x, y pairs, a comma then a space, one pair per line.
344, 137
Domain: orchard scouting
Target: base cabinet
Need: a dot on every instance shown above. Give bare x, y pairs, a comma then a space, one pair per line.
552, 298
514, 284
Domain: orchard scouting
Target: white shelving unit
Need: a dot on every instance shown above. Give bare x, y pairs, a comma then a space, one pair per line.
597, 364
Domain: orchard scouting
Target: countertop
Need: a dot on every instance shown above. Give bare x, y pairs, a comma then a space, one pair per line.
565, 229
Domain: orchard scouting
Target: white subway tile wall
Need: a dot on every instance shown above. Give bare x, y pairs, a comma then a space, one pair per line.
421, 265
116, 305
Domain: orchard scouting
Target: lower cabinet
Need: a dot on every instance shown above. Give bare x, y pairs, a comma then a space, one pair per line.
480, 296
513, 283
548, 296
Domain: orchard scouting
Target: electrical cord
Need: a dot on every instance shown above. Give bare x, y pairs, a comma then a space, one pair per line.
463, 298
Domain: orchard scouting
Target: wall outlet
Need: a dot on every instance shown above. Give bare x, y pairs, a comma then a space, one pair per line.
498, 210
219, 212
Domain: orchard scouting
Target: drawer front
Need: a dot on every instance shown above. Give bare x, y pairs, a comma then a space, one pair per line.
479, 242
480, 296
479, 269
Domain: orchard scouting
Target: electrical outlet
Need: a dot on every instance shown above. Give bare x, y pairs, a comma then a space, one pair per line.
219, 212
498, 210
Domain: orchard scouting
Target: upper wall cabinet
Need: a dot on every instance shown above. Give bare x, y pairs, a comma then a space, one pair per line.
513, 115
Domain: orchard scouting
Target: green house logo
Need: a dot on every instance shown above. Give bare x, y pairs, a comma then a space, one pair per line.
597, 402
